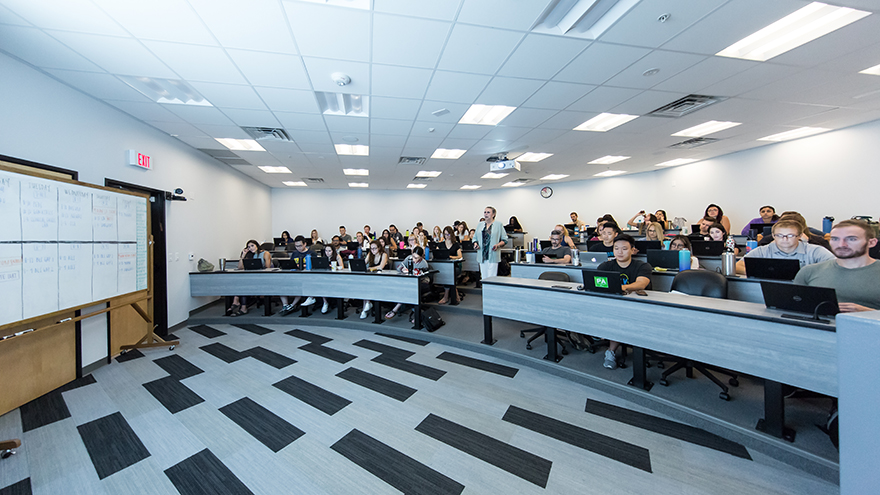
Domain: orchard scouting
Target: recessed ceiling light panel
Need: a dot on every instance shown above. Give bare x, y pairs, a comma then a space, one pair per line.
493, 175
343, 104
874, 71
470, 187
533, 157
240, 144
291, 183
355, 171
794, 134
553, 177
706, 128
608, 160
275, 170
416, 186
171, 91
609, 173
352, 149
513, 184
605, 122
677, 161
358, 184
486, 114
428, 173
448, 154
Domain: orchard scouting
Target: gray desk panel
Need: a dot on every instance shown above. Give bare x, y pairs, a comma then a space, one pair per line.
445, 270
471, 261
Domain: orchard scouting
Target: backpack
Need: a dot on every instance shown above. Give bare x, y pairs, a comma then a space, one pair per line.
431, 319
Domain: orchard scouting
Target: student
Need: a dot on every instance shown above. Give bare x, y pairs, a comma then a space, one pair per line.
717, 233
368, 233
806, 234
387, 244
680, 243
376, 260
251, 250
316, 239
490, 237
646, 218
362, 241
415, 264
634, 275
395, 235
654, 232
285, 238
607, 234
464, 233
566, 239
768, 215
660, 215
714, 212
561, 255
437, 234
574, 219
300, 250
423, 238
336, 242
853, 274
705, 223
331, 254
342, 235
787, 244
454, 248
513, 225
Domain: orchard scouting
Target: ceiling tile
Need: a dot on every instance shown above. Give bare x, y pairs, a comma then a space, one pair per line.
469, 131
166, 20
199, 115
400, 82
197, 63
435, 9
330, 32
640, 26
313, 137
230, 95
760, 75
557, 95
600, 62
99, 85
507, 133
669, 63
271, 69
251, 118
566, 120
835, 44
477, 49
456, 111
10, 18
350, 137
145, 110
81, 16
289, 100
252, 25
394, 108
421, 146
303, 121
388, 126
116, 55
451, 143
527, 117
540, 56
423, 129
177, 129
387, 141
339, 123
508, 91
603, 99
393, 40
516, 14
456, 87
201, 143
320, 71
223, 131
710, 71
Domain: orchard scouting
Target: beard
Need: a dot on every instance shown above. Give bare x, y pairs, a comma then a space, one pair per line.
847, 253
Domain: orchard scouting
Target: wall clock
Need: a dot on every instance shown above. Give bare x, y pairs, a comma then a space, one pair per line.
546, 192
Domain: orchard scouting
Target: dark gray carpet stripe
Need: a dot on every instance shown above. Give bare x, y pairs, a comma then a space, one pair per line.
394, 467
129, 355
172, 394
504, 456
79, 382
207, 331
421, 370
307, 336
204, 474
223, 352
43, 411
171, 336
404, 339
384, 349
666, 427
257, 329
264, 425
23, 487
178, 367
269, 357
377, 384
479, 364
112, 444
612, 448
328, 353
313, 395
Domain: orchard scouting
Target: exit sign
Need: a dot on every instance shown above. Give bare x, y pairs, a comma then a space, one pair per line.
138, 159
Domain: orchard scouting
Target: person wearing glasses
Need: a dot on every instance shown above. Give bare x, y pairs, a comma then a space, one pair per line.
654, 232
561, 255
787, 244
489, 238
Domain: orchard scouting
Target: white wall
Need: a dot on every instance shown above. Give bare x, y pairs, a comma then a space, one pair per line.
45, 121
830, 174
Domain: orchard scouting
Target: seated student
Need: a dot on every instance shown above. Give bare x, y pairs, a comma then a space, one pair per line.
714, 212
437, 234
806, 233
660, 215
415, 264
395, 234
334, 256
342, 235
423, 238
561, 255
368, 233
300, 250
316, 239
336, 242
386, 248
285, 238
362, 241
566, 239
787, 245
574, 219
513, 225
376, 261
607, 234
454, 248
853, 274
634, 275
640, 219
390, 243
717, 233
705, 223
768, 215
654, 232
680, 243
251, 250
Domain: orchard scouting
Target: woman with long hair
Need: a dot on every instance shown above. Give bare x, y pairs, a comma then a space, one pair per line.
376, 260
454, 248
715, 212
251, 250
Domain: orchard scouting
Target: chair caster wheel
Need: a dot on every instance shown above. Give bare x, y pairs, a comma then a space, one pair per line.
171, 348
565, 352
522, 335
7, 454
123, 351
529, 346
723, 396
660, 365
733, 382
664, 382
590, 350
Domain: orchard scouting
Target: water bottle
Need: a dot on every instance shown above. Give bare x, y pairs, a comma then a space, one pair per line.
308, 262
427, 253
751, 244
401, 245
360, 252
728, 264
684, 260
666, 244
730, 244
827, 223
575, 257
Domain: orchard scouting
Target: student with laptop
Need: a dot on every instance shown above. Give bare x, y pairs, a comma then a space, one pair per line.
717, 232
251, 251
414, 264
334, 257
285, 239
556, 253
607, 233
300, 251
362, 241
376, 260
768, 215
680, 243
574, 219
654, 232
660, 215
806, 233
634, 275
395, 235
343, 237
368, 233
451, 246
787, 244
853, 274
714, 212
705, 223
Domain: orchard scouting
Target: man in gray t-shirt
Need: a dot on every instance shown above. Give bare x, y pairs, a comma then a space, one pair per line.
788, 245
561, 255
853, 275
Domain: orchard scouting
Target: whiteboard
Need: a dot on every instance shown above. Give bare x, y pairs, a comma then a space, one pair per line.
10, 208
74, 274
39, 210
74, 214
104, 277
39, 279
10, 283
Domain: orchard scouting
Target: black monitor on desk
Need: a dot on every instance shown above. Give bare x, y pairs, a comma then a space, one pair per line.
760, 228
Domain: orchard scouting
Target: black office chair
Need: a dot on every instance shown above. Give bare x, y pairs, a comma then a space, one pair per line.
542, 331
707, 284
267, 246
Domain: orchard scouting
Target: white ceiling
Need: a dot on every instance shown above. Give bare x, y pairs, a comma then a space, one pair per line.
260, 63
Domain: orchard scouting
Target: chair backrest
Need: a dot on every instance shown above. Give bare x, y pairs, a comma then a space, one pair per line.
557, 276
267, 246
701, 283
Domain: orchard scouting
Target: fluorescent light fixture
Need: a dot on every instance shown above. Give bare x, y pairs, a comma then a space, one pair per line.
240, 144
171, 91
493, 175
275, 170
352, 149
416, 186
358, 184
485, 114
605, 122
677, 161
533, 157
292, 183
608, 160
794, 134
801, 26
470, 187
586, 19
448, 154
553, 177
355, 171
428, 173
513, 184
874, 71
343, 104
609, 173
706, 128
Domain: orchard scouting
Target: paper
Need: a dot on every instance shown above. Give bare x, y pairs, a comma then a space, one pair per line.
39, 211
39, 279
74, 213
74, 275
10, 283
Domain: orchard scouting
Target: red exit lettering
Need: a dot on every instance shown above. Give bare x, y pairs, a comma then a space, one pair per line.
143, 160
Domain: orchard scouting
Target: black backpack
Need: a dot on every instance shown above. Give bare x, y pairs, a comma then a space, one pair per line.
431, 319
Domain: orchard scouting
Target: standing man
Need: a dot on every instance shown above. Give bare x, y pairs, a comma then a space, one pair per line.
342, 235
489, 238
574, 219
853, 274
560, 255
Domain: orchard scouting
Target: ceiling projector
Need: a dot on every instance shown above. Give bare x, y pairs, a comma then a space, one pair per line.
504, 165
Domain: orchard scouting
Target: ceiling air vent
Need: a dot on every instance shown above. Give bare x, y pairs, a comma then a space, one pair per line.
218, 153
234, 161
693, 143
684, 106
412, 160
314, 180
267, 134
521, 180
422, 179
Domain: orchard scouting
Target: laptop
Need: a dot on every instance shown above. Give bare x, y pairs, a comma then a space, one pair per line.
253, 263
289, 264
659, 258
762, 228
403, 253
539, 257
591, 231
309, 241
773, 269
593, 260
601, 281
813, 301
357, 264
545, 244
439, 254
695, 228
320, 263
707, 248
644, 246
352, 246
570, 226
278, 240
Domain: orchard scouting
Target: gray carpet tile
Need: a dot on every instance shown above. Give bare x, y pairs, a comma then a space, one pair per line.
409, 340
207, 331
498, 369
328, 353
250, 327
394, 467
384, 349
396, 362
612, 448
43, 411
23, 487
172, 394
129, 355
264, 425
666, 427
178, 367
377, 384
514, 460
112, 444
223, 352
271, 358
204, 474
308, 336
313, 395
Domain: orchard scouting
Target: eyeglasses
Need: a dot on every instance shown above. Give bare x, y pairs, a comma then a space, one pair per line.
785, 236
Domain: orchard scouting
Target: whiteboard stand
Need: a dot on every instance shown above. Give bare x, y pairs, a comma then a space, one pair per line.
150, 339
